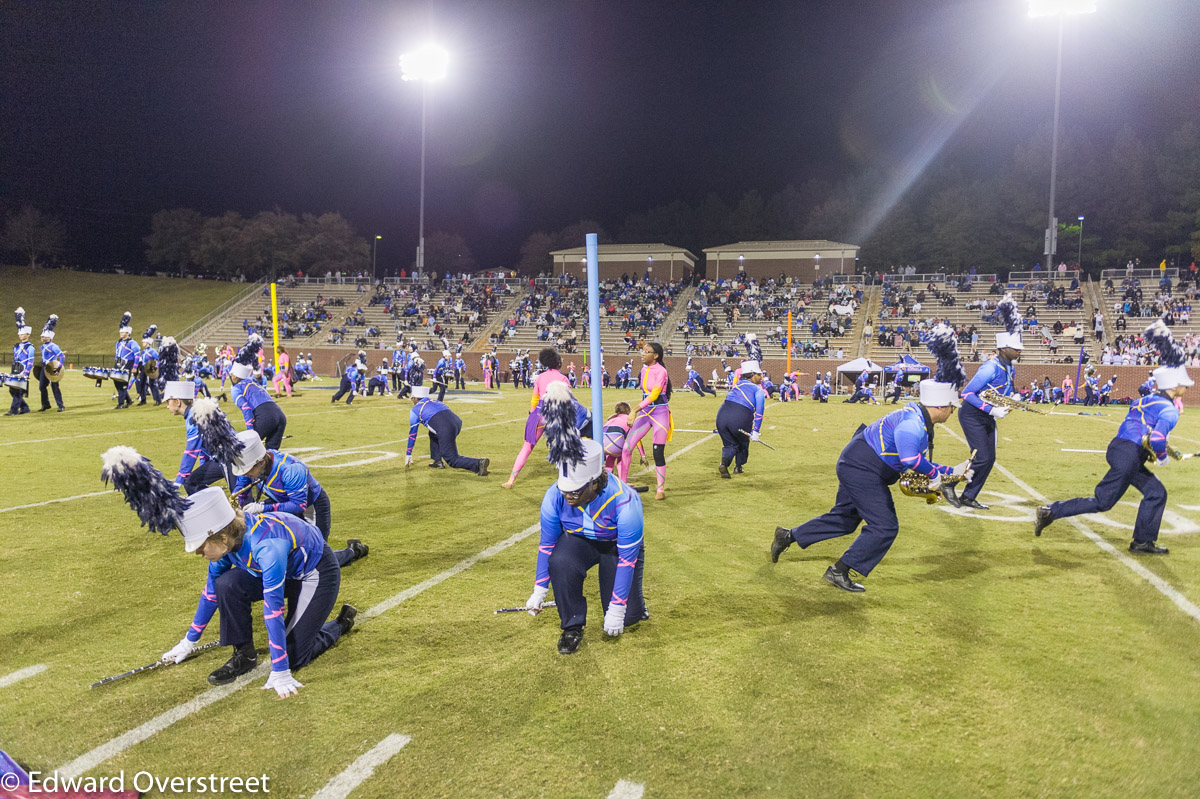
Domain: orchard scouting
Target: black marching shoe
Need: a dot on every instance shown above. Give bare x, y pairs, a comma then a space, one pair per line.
235, 667
61, 408
973, 503
1147, 548
359, 549
783, 540
437, 465
1042, 518
842, 580
345, 618
484, 463
951, 495
568, 642
723, 470
737, 470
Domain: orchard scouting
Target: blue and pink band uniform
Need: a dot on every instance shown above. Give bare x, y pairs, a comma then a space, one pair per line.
444, 426
978, 425
742, 410
261, 413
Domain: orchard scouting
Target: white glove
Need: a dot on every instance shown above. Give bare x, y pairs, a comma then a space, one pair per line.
253, 507
936, 482
534, 603
961, 469
407, 460
754, 436
178, 652
283, 682
1163, 461
999, 411
614, 619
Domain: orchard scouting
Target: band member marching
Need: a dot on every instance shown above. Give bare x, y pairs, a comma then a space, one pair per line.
22, 366
873, 461
1142, 436
125, 358
652, 415
261, 413
740, 418
147, 378
978, 417
54, 360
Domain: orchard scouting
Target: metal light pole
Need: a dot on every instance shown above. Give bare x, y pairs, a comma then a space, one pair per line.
1079, 259
373, 243
1059, 8
426, 64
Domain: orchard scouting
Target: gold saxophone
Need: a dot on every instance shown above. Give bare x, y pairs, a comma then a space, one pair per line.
915, 484
993, 397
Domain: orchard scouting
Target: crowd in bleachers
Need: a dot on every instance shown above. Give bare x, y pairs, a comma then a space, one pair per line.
824, 309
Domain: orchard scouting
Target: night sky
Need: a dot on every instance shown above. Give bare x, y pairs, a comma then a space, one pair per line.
554, 110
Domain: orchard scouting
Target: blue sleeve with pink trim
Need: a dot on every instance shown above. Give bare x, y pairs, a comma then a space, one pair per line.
193, 451
271, 556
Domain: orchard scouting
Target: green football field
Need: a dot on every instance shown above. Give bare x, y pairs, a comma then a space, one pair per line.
980, 662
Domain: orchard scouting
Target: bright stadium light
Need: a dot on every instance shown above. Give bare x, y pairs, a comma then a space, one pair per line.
1065, 8
426, 64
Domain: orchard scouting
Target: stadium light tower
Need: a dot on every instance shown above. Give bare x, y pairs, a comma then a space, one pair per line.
1061, 9
373, 243
426, 64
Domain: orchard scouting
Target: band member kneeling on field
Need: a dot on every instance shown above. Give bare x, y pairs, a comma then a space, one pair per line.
275, 482
444, 426
197, 466
873, 461
1142, 436
279, 560
262, 414
589, 517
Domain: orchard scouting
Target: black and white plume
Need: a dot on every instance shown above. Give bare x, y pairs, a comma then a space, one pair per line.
220, 439
1009, 314
51, 323
168, 360
562, 436
753, 348
248, 355
152, 496
944, 346
126, 319
150, 331
20, 315
1158, 335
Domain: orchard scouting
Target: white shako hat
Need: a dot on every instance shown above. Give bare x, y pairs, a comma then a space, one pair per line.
750, 367
572, 477
942, 389
210, 513
420, 392
255, 451
1010, 317
168, 370
1172, 373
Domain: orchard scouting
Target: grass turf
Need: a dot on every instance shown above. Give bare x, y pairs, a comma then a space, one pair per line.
981, 661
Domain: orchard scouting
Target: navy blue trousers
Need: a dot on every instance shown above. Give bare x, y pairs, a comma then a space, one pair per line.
864, 495
732, 417
1126, 467
444, 427
344, 388
205, 475
573, 557
981, 432
269, 423
19, 405
309, 602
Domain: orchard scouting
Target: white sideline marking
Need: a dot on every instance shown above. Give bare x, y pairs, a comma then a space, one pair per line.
116, 746
52, 501
624, 789
685, 430
87, 435
1163, 587
22, 674
357, 772
1096, 451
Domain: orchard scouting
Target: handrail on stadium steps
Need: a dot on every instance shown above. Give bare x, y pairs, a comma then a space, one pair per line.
1153, 273
252, 290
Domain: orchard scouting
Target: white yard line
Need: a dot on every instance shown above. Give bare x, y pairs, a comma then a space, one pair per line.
88, 435
84, 763
1163, 587
624, 789
52, 501
357, 772
1095, 451
22, 674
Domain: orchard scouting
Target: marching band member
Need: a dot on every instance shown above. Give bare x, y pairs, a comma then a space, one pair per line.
1091, 386
379, 381
281, 483
873, 461
978, 417
1106, 390
274, 558
444, 426
1142, 436
349, 381
616, 427
282, 375
589, 518
534, 425
197, 468
147, 379
262, 414
741, 411
22, 365
460, 371
125, 356
51, 354
442, 373
416, 367
653, 414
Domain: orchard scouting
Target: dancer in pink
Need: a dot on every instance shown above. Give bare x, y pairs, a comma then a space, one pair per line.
652, 414
534, 425
615, 430
283, 373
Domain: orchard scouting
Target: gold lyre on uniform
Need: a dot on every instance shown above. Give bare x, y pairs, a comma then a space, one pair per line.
993, 397
915, 484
